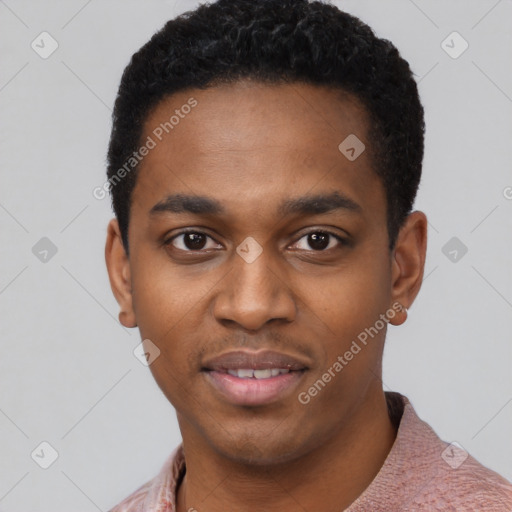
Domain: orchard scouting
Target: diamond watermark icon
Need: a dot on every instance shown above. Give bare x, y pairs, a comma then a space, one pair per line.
454, 45
44, 250
454, 250
44, 45
454, 455
249, 250
352, 147
44, 455
146, 352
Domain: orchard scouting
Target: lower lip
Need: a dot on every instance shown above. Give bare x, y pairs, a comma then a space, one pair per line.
250, 391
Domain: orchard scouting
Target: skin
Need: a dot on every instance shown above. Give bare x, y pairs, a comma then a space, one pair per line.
251, 146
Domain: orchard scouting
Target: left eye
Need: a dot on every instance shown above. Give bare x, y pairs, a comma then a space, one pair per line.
320, 241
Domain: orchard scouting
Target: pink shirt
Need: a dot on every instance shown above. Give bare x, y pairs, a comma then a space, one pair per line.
420, 473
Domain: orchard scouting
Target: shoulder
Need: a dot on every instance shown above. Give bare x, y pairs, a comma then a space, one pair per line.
159, 493
455, 480
442, 476
469, 487
134, 502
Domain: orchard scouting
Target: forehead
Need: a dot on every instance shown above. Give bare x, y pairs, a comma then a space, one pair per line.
248, 142
247, 113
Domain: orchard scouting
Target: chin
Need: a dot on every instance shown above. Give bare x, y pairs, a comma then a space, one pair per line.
260, 449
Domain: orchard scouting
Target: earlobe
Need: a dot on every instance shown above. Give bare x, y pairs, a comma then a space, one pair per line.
118, 267
408, 263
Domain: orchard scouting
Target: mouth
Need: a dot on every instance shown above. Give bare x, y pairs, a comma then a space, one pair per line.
253, 378
250, 373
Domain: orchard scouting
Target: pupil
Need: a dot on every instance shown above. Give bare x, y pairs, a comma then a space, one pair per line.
194, 241
318, 241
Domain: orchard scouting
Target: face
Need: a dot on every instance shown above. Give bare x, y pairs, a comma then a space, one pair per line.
251, 231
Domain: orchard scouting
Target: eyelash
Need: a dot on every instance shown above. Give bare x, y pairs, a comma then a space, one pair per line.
342, 241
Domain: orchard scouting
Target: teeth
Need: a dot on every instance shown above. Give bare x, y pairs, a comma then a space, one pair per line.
262, 374
248, 373
245, 373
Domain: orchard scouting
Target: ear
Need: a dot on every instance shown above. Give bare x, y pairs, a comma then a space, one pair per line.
408, 263
118, 267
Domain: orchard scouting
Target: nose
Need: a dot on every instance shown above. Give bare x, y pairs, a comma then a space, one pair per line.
254, 294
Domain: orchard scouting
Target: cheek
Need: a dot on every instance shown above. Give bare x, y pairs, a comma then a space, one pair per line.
170, 308
351, 302
163, 295
352, 298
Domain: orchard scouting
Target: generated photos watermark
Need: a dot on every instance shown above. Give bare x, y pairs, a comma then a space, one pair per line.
151, 142
342, 361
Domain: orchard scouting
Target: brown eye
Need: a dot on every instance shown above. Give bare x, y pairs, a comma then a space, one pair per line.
192, 241
320, 241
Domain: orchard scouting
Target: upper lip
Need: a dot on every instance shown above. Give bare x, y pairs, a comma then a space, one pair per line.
260, 360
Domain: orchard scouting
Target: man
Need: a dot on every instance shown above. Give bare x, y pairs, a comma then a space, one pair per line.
264, 160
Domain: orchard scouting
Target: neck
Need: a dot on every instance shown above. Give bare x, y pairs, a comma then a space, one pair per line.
330, 477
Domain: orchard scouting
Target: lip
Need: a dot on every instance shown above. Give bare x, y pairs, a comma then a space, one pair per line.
256, 360
252, 391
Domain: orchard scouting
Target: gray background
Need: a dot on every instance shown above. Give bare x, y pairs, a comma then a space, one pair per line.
67, 372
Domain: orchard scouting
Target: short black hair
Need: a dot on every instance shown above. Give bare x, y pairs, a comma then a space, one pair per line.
276, 41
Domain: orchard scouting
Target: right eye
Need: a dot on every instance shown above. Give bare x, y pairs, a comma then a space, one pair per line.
191, 241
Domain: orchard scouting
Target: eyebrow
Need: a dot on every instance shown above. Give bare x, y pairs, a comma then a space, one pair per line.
305, 205
314, 205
